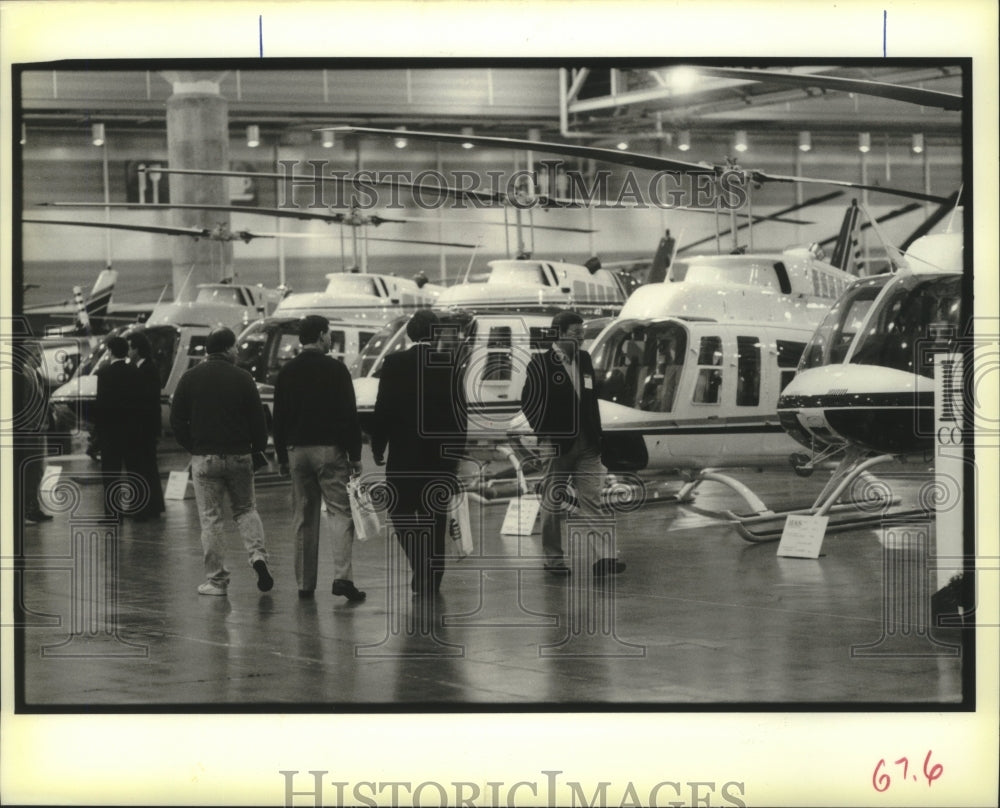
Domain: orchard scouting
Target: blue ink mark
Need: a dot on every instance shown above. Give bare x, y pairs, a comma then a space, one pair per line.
260, 33
885, 21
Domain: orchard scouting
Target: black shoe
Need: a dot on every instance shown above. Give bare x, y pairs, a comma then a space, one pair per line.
264, 579
557, 568
305, 594
608, 566
348, 590
39, 516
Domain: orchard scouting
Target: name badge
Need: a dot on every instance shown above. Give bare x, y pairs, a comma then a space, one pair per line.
588, 381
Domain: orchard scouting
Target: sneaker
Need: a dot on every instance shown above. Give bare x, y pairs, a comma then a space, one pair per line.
348, 590
264, 579
557, 568
208, 588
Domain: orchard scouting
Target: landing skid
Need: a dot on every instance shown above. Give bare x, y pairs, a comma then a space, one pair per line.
764, 525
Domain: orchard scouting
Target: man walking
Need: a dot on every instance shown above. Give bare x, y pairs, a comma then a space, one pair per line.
217, 416
560, 402
115, 419
317, 438
419, 412
148, 428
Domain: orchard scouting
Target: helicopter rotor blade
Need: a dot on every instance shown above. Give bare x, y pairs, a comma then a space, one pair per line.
633, 159
896, 92
371, 238
192, 232
761, 177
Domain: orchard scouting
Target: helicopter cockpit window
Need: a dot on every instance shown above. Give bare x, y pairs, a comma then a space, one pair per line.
917, 318
709, 382
617, 358
664, 360
250, 351
833, 338
639, 365
196, 349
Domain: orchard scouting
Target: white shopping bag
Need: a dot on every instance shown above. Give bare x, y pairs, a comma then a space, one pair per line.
459, 525
367, 524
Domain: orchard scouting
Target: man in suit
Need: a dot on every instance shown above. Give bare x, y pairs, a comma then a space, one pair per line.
317, 438
115, 419
217, 416
420, 413
559, 399
148, 427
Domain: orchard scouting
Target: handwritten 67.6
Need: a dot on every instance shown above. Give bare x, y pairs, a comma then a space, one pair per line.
881, 779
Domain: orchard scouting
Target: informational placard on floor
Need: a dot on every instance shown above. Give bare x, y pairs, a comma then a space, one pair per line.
802, 536
521, 516
177, 485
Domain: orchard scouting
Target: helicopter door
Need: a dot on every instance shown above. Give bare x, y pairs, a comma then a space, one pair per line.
498, 360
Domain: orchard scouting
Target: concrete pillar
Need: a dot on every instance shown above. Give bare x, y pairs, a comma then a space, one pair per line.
198, 137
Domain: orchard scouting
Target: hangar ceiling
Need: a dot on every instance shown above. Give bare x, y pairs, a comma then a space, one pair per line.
651, 101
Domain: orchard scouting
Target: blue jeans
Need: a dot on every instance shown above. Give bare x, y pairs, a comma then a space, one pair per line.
319, 482
214, 476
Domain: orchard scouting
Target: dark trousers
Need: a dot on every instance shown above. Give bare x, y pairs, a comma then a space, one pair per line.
142, 461
420, 526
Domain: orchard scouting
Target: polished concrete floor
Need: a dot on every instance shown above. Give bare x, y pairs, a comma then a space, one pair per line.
700, 617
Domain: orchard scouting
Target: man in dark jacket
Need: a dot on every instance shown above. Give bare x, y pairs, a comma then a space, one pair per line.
148, 428
559, 400
114, 419
420, 414
317, 438
217, 416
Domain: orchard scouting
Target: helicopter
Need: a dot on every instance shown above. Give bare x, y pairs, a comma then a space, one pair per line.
864, 389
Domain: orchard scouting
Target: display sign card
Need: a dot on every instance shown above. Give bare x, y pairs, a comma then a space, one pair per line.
177, 485
522, 513
802, 536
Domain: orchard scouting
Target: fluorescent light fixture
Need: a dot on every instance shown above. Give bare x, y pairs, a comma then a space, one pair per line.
97, 134
253, 136
328, 140
400, 142
684, 140
24, 134
865, 142
918, 143
468, 132
805, 141
740, 140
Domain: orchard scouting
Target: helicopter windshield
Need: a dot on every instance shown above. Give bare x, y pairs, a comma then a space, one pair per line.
519, 272
363, 365
352, 285
835, 334
638, 364
917, 317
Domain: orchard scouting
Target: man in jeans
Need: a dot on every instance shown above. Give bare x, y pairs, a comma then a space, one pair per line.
217, 416
317, 438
